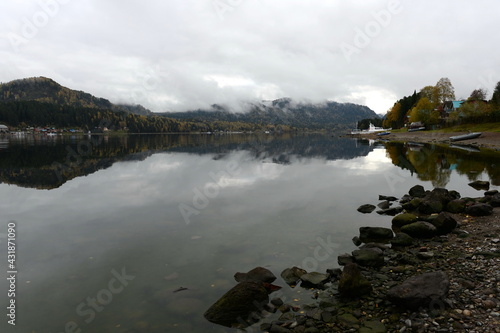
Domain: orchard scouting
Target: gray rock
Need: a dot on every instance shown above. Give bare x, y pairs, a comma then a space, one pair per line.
292, 275
401, 239
456, 206
243, 300
375, 234
352, 283
384, 204
366, 209
420, 230
314, 279
444, 223
435, 201
345, 259
388, 198
258, 274
356, 241
390, 211
420, 291
480, 209
371, 257
417, 191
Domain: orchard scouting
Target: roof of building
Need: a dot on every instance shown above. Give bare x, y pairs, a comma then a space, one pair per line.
3, 126
456, 104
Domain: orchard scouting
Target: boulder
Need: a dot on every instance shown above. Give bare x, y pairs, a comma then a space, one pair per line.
314, 279
258, 274
491, 193
494, 200
444, 223
375, 234
403, 219
388, 198
369, 257
384, 204
366, 209
420, 291
240, 303
417, 191
402, 240
356, 241
480, 185
412, 204
390, 211
419, 230
352, 283
435, 201
345, 259
292, 275
456, 206
480, 209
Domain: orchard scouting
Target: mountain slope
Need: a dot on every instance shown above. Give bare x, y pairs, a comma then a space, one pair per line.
45, 90
330, 115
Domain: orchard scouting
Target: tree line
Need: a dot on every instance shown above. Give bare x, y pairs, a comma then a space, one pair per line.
432, 105
23, 114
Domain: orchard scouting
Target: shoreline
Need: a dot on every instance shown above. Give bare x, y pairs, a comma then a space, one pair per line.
469, 256
490, 140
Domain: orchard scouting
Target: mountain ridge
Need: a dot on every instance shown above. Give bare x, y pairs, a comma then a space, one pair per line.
284, 111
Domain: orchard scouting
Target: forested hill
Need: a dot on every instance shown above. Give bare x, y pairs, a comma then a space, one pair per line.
329, 115
41, 101
45, 90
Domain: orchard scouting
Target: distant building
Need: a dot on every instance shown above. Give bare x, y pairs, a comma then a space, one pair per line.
3, 129
451, 106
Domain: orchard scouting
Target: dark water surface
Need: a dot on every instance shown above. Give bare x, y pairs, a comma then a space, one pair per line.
108, 228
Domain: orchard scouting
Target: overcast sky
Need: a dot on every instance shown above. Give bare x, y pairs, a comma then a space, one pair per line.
174, 55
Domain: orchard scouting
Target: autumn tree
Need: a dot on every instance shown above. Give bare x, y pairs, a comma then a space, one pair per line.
445, 91
424, 112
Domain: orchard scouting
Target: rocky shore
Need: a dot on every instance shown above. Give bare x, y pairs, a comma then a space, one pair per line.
436, 270
489, 140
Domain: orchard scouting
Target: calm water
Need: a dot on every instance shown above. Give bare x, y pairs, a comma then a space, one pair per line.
127, 221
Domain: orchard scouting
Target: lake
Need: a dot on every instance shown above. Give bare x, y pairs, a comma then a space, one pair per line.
111, 230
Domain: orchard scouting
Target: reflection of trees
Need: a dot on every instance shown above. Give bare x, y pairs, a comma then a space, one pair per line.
32, 161
436, 163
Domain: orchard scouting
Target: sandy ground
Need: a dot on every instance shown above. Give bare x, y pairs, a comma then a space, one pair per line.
486, 140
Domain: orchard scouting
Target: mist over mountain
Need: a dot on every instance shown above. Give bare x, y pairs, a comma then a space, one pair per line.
285, 111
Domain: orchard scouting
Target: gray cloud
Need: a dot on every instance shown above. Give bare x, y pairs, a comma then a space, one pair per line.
178, 55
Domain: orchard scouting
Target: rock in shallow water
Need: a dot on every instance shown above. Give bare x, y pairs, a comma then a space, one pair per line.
292, 275
375, 234
238, 304
258, 274
366, 209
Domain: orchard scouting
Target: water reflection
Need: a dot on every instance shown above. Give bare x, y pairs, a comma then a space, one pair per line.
436, 163
249, 201
49, 162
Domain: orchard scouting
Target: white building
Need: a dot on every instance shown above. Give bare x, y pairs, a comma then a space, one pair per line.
3, 129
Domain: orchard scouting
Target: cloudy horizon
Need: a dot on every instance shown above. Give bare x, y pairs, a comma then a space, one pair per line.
182, 55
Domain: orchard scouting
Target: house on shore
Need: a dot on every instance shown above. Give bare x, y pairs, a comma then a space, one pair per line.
4, 129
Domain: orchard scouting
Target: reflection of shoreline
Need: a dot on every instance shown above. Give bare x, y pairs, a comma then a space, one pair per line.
436, 162
49, 163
